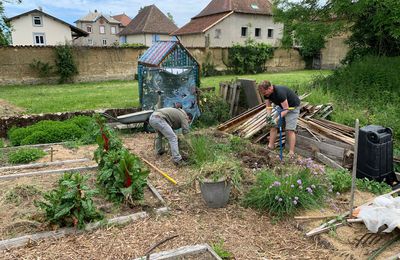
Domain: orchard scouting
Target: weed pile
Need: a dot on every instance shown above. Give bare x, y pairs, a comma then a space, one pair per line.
76, 128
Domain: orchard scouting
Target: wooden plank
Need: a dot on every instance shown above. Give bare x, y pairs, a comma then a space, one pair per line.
240, 118
59, 171
333, 152
249, 87
29, 146
233, 98
39, 165
327, 161
182, 252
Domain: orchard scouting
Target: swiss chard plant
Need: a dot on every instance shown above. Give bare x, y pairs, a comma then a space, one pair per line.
122, 176
70, 204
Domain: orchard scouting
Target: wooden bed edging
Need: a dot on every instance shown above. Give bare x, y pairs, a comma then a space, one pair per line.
182, 251
59, 171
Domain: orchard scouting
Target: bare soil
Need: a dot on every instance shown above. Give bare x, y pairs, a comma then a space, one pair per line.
246, 233
7, 109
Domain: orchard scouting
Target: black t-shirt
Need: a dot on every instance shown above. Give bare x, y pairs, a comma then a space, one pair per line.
281, 93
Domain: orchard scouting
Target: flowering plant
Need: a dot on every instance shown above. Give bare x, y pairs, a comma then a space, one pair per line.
283, 191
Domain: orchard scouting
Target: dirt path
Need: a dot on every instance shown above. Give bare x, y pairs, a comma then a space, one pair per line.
246, 233
7, 109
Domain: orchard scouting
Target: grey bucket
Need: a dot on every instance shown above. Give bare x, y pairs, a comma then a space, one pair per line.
215, 194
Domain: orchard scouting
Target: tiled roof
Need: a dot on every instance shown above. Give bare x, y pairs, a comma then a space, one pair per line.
238, 6
123, 19
217, 10
198, 25
149, 20
157, 52
93, 16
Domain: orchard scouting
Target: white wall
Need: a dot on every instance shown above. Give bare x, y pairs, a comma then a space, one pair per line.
230, 32
146, 39
54, 31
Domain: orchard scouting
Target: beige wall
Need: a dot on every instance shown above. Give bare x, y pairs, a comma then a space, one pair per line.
335, 50
228, 32
54, 31
146, 38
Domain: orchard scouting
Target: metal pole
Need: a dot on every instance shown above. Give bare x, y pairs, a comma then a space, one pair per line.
280, 135
353, 179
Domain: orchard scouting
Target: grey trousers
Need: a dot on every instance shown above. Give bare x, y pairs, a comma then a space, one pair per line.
164, 129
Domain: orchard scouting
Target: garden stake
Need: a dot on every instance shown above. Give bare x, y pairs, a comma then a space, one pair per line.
353, 179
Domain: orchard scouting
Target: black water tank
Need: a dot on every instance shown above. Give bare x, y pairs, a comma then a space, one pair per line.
375, 153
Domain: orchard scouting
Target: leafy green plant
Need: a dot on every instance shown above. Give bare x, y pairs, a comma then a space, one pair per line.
80, 127
208, 66
71, 203
373, 186
237, 143
283, 193
133, 45
214, 110
25, 155
221, 251
44, 69
339, 179
1, 143
122, 176
65, 64
250, 57
201, 150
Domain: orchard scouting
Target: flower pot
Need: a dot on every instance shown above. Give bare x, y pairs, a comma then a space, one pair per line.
215, 193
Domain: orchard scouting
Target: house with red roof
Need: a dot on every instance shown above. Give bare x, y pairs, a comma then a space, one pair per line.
149, 26
223, 23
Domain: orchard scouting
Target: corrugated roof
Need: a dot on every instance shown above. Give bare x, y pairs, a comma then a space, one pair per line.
149, 20
157, 52
93, 16
123, 19
217, 9
198, 25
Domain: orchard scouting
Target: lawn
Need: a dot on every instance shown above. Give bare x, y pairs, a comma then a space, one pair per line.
121, 94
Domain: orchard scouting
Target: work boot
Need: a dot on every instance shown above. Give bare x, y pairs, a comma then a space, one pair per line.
181, 163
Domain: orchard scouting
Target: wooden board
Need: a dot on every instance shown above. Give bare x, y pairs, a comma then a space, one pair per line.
333, 152
249, 87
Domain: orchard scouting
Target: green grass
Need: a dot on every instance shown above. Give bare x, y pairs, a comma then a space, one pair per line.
120, 94
72, 97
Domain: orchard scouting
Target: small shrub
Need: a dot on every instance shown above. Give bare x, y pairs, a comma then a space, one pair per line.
132, 45
340, 180
214, 110
70, 204
284, 193
65, 64
25, 155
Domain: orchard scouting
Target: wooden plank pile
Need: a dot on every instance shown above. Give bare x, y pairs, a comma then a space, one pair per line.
230, 92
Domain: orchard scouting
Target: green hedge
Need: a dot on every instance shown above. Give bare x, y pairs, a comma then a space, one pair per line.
47, 131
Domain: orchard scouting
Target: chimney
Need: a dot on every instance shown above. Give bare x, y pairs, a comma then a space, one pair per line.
95, 10
40, 8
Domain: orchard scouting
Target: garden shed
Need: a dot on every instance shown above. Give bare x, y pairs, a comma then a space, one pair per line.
168, 66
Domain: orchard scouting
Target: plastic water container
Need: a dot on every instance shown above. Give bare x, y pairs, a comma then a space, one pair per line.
375, 153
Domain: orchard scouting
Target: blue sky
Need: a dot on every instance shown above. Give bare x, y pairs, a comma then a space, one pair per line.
71, 10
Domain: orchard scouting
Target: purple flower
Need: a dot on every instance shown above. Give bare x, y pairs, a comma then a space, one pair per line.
296, 198
313, 186
295, 202
299, 182
309, 190
300, 187
337, 193
330, 190
292, 186
276, 197
280, 199
276, 184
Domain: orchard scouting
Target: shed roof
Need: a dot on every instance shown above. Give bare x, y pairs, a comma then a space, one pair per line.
149, 20
157, 52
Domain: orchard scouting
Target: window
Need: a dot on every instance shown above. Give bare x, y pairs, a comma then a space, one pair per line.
217, 33
244, 31
257, 32
102, 29
89, 28
37, 21
270, 33
90, 41
113, 30
38, 39
104, 42
155, 38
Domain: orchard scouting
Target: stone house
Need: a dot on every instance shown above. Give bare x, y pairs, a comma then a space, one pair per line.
38, 28
103, 29
147, 27
223, 23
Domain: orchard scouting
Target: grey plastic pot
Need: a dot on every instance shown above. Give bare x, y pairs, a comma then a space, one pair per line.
215, 193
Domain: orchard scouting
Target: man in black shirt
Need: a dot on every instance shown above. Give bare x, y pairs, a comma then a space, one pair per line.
288, 103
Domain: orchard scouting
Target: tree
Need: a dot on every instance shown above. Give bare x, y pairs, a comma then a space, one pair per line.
5, 24
374, 25
170, 17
